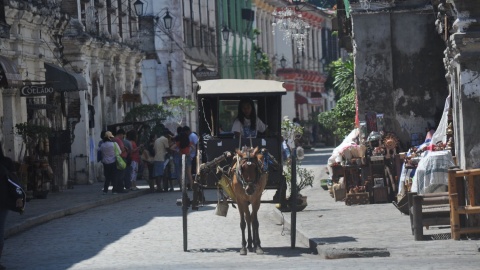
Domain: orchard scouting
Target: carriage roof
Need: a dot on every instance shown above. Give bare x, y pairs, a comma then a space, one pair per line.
241, 87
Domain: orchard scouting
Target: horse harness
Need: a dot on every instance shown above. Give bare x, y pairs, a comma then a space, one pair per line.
249, 161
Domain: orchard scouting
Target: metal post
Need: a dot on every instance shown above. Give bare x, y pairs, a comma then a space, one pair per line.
293, 199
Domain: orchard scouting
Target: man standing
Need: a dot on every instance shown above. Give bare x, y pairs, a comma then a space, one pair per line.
161, 145
193, 151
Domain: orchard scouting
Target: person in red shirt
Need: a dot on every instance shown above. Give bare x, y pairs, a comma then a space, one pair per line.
132, 136
184, 146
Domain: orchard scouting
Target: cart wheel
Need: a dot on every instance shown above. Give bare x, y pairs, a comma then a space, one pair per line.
184, 205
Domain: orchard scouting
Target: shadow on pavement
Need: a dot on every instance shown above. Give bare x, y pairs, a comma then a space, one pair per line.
334, 240
269, 251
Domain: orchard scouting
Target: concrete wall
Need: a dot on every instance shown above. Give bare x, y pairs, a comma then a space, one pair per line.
399, 70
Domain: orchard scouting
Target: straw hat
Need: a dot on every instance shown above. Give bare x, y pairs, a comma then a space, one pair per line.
108, 135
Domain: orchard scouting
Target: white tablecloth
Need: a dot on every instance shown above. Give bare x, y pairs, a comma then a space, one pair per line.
432, 169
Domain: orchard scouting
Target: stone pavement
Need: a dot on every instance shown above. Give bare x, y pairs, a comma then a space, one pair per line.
332, 228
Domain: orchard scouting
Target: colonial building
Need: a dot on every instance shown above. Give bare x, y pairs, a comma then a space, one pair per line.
299, 39
77, 62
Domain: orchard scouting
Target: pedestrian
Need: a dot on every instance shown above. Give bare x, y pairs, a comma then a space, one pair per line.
148, 155
247, 124
99, 153
110, 170
119, 139
177, 157
6, 170
298, 139
193, 138
170, 171
127, 184
185, 146
161, 146
132, 137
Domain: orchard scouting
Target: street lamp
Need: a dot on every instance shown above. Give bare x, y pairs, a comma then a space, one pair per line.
138, 6
225, 33
259, 54
283, 62
297, 64
167, 20
324, 62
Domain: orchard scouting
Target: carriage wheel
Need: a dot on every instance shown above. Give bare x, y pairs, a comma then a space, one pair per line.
184, 205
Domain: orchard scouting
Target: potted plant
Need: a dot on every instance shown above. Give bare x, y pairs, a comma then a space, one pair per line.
304, 179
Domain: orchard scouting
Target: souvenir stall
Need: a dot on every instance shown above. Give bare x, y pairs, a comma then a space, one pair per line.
425, 167
364, 168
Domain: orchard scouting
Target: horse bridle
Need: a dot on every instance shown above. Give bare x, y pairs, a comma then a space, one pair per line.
238, 170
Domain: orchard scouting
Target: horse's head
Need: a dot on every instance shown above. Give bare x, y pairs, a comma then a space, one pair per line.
249, 168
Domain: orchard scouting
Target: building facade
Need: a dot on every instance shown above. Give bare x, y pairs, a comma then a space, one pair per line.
87, 52
302, 66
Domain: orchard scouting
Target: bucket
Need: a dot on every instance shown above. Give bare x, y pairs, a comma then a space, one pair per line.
226, 186
222, 208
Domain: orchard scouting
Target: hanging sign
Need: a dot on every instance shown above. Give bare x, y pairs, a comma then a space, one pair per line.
202, 73
36, 90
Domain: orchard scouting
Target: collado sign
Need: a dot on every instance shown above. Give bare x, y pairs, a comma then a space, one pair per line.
36, 90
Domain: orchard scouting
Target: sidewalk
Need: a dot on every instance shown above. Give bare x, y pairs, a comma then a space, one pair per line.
64, 203
337, 231
332, 228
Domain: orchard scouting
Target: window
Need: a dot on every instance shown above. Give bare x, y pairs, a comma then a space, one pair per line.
227, 111
120, 18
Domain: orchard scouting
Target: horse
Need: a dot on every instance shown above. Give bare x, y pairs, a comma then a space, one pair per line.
249, 181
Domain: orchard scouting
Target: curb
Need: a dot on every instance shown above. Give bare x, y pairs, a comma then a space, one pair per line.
330, 252
44, 218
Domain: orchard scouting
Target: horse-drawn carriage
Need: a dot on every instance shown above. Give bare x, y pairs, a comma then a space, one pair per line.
240, 167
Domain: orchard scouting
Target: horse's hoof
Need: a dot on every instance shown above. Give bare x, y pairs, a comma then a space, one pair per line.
243, 251
259, 251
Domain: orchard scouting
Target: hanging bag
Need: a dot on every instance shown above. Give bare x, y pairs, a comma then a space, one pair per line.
121, 165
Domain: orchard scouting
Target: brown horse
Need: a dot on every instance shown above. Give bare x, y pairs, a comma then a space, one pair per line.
249, 181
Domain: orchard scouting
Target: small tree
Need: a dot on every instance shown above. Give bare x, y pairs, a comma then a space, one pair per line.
152, 116
179, 107
35, 137
290, 131
341, 120
304, 177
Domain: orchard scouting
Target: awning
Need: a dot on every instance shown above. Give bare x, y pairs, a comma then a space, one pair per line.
240, 86
9, 75
302, 99
63, 80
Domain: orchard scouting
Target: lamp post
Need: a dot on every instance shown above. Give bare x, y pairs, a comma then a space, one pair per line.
283, 62
138, 6
324, 62
225, 34
167, 20
259, 54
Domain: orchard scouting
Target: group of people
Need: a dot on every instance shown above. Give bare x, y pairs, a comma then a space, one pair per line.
161, 156
125, 146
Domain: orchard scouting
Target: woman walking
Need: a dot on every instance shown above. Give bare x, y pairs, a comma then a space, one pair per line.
110, 170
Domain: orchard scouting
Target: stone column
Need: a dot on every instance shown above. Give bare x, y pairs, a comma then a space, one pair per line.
12, 115
463, 65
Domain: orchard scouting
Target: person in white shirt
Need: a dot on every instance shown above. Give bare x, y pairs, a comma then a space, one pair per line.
247, 124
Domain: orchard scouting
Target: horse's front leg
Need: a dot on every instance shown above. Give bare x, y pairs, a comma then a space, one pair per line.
243, 224
256, 234
248, 218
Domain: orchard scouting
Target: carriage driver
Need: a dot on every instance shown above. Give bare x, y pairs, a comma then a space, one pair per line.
247, 124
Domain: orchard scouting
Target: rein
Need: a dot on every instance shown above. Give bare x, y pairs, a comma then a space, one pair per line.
259, 170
